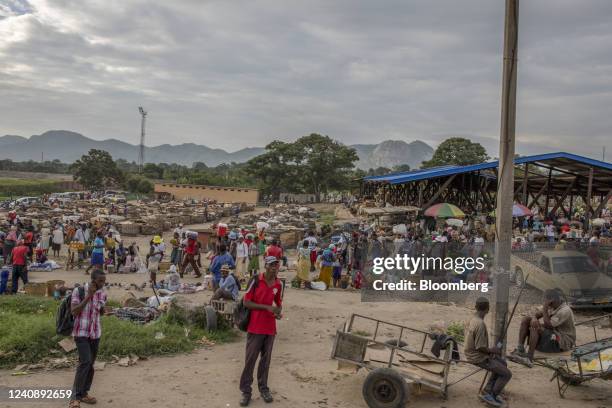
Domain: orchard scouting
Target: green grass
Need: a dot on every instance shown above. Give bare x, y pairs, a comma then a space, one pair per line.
27, 324
27, 187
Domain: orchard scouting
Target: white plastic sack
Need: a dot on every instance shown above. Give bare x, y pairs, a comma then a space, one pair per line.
261, 225
318, 285
400, 229
152, 301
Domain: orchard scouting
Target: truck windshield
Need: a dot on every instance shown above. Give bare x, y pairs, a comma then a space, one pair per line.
573, 264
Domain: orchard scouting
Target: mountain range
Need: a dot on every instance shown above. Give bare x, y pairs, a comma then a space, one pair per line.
67, 146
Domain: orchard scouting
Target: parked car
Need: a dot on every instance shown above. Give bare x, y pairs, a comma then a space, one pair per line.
572, 272
24, 202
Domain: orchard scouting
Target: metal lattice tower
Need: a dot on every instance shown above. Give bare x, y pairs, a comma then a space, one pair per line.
141, 157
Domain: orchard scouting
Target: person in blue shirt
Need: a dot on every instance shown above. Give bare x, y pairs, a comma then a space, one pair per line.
97, 255
223, 258
228, 286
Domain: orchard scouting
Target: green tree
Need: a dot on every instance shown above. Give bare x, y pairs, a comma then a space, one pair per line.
324, 164
379, 171
277, 169
96, 170
401, 168
459, 151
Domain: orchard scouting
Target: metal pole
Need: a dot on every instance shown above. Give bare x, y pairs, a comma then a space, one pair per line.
141, 157
505, 183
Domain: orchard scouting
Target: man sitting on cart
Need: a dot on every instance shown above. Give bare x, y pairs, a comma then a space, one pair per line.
554, 333
478, 352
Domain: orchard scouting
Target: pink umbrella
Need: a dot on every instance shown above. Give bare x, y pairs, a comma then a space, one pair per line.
519, 210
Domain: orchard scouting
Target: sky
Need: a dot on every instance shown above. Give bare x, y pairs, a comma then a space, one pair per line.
233, 74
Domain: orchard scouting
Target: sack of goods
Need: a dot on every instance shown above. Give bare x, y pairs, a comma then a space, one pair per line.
400, 229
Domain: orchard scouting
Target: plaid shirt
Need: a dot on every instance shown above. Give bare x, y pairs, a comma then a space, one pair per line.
87, 323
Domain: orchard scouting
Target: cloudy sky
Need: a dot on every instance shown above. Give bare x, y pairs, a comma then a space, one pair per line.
232, 74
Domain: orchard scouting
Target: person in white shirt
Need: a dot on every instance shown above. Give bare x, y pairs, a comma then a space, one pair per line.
179, 230
242, 257
57, 240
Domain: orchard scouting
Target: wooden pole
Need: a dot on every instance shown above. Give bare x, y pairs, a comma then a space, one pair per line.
525, 180
505, 186
589, 213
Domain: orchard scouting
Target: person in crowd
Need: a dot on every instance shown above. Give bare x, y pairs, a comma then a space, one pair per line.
97, 254
45, 237
242, 257
10, 242
121, 255
191, 250
228, 285
312, 245
303, 267
550, 330
19, 258
254, 257
478, 352
87, 331
327, 265
222, 258
110, 244
156, 254
263, 298
57, 240
176, 244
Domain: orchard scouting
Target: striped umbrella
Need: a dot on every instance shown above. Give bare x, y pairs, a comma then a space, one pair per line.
444, 210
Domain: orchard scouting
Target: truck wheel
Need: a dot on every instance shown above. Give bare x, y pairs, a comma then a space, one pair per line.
211, 318
385, 388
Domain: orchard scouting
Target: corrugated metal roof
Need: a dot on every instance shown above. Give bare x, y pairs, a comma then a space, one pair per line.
442, 171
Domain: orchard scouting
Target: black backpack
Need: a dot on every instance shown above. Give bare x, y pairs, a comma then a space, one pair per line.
242, 314
64, 320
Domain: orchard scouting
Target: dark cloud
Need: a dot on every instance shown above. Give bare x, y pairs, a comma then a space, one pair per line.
236, 74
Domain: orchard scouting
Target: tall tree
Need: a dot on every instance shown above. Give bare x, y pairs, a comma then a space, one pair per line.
459, 151
277, 168
325, 164
96, 170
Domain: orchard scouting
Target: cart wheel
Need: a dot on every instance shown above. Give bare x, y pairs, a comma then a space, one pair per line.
395, 342
385, 388
211, 318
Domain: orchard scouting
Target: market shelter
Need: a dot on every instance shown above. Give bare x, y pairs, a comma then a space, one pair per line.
211, 193
552, 181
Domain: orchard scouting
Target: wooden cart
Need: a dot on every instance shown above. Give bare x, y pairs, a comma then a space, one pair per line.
392, 363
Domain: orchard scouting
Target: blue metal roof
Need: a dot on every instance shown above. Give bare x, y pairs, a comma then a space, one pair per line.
442, 171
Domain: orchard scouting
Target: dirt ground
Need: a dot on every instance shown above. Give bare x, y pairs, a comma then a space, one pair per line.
302, 373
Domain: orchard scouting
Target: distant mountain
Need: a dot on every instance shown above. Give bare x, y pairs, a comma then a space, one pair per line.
392, 153
69, 146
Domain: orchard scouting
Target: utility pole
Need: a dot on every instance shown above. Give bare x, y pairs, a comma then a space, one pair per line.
141, 158
505, 182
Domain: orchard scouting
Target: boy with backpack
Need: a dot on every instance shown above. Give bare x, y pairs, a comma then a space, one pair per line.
87, 304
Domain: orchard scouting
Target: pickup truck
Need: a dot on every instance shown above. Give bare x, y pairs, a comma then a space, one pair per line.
583, 285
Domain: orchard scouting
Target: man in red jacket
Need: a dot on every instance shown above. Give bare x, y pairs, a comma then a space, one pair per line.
191, 249
19, 256
263, 298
